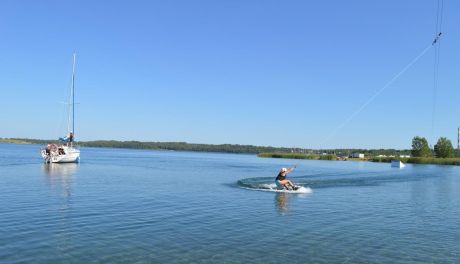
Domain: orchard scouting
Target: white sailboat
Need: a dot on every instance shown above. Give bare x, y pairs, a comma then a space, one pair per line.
65, 152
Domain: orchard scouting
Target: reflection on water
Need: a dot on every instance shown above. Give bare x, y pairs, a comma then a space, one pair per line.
282, 202
60, 171
60, 177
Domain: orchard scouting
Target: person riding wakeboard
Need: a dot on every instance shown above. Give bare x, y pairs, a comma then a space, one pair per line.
281, 181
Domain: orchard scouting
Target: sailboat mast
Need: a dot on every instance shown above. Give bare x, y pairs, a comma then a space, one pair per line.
73, 95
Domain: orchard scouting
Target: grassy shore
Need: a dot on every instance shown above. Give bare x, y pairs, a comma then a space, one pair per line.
420, 160
414, 160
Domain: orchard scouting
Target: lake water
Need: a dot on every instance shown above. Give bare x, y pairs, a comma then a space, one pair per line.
135, 206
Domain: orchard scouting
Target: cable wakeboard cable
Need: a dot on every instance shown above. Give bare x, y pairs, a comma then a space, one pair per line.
436, 44
438, 34
378, 92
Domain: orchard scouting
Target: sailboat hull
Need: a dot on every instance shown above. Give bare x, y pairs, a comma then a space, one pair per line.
71, 155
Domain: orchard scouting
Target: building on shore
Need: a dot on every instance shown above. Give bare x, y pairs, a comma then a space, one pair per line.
358, 155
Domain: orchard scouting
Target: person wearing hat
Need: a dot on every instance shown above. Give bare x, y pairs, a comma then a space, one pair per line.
282, 182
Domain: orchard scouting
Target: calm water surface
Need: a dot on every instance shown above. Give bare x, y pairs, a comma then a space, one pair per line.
133, 206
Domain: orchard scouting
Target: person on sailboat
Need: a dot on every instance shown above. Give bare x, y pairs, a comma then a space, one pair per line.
281, 181
48, 150
70, 138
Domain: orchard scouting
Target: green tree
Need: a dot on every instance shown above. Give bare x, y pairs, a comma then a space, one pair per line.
420, 147
457, 153
444, 148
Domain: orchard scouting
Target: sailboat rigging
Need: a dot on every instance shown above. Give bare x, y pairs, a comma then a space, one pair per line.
66, 151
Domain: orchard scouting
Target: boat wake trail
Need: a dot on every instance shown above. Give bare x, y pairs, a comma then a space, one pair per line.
334, 180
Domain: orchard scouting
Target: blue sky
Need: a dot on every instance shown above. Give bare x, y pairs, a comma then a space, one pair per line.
279, 73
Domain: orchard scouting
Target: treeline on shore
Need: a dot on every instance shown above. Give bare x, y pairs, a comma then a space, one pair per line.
181, 146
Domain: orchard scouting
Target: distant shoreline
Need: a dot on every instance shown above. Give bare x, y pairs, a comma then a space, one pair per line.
174, 146
411, 160
260, 151
224, 148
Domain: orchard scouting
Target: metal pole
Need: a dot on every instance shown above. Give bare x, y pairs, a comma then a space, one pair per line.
458, 139
73, 97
